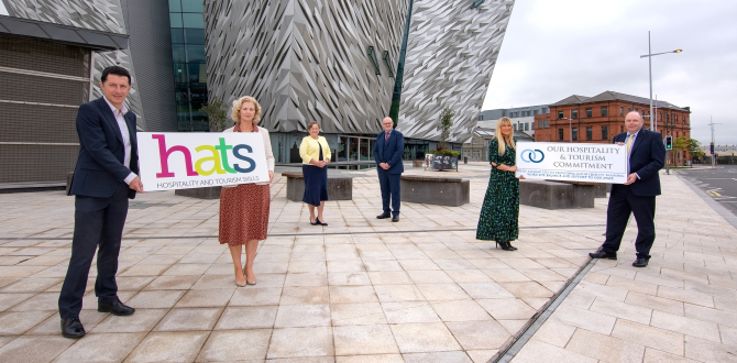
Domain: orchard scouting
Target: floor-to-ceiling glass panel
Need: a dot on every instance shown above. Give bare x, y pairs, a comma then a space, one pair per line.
188, 63
364, 149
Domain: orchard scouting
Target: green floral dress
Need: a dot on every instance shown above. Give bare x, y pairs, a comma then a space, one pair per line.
500, 211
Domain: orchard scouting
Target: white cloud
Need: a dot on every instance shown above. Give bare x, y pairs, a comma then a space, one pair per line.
553, 49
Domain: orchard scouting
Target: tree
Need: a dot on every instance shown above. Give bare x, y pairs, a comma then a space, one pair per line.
694, 148
446, 122
691, 145
681, 143
216, 115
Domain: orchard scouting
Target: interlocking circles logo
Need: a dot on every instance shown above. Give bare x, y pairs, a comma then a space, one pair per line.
532, 156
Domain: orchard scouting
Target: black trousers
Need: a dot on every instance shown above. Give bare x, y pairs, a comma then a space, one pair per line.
97, 222
389, 184
622, 203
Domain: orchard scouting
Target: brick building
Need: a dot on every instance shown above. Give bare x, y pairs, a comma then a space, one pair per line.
598, 119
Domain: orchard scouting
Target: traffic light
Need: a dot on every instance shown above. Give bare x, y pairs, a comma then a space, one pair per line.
669, 142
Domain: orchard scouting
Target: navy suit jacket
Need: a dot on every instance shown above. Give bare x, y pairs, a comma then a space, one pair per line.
390, 152
646, 158
100, 171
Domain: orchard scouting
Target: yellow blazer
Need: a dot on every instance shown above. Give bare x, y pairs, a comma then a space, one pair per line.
308, 149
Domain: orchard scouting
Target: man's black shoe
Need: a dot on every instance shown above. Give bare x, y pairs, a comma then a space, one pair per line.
383, 216
395, 219
640, 262
72, 328
116, 307
600, 253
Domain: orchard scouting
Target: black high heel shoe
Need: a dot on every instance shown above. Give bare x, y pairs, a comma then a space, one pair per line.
318, 221
506, 246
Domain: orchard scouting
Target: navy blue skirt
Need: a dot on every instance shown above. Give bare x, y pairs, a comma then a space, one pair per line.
316, 184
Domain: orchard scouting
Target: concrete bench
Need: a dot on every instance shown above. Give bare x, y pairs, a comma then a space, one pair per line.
556, 195
599, 189
339, 187
200, 193
450, 191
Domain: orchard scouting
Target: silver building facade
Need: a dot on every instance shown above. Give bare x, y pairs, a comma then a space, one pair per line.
335, 62
330, 61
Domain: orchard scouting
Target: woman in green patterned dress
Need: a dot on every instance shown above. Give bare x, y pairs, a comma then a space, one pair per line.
500, 211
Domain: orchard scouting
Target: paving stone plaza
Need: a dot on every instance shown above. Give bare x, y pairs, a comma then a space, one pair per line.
368, 290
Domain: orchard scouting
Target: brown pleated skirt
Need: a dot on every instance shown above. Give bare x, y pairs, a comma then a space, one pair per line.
244, 213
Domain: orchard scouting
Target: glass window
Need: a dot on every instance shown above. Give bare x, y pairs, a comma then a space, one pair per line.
574, 114
342, 149
561, 115
605, 133
364, 146
175, 20
575, 133
560, 134
192, 6
175, 5
197, 72
177, 36
193, 20
527, 127
621, 111
180, 73
177, 53
589, 112
353, 148
195, 35
374, 61
604, 111
589, 133
196, 53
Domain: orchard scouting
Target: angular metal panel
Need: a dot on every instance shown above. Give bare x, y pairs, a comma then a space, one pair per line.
452, 49
306, 59
103, 15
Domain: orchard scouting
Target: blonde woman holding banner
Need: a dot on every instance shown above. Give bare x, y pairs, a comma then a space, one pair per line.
499, 213
244, 209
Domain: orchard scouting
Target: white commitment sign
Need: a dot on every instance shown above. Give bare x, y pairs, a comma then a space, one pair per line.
180, 160
592, 163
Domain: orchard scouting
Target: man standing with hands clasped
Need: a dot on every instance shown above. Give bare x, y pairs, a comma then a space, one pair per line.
637, 195
388, 149
104, 178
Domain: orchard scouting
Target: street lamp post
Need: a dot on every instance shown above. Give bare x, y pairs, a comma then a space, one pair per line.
650, 55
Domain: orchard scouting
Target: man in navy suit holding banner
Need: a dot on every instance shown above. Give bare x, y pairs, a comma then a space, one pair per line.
636, 196
105, 176
388, 150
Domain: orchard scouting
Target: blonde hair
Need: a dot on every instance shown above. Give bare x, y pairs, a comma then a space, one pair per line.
502, 140
235, 113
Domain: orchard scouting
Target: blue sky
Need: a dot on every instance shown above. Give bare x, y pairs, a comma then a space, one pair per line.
553, 49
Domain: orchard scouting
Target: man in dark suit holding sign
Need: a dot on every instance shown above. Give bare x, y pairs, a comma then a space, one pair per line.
388, 150
637, 195
105, 176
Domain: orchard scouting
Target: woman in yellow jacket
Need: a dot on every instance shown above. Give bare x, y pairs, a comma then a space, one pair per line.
315, 153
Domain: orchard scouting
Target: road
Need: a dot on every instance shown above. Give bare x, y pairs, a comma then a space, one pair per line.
719, 183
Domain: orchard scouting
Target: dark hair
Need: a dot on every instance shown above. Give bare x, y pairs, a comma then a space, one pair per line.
312, 123
116, 70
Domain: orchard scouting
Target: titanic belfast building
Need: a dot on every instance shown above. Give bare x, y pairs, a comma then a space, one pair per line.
339, 62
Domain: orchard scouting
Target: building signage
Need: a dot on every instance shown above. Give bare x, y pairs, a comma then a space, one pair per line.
181, 160
592, 163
